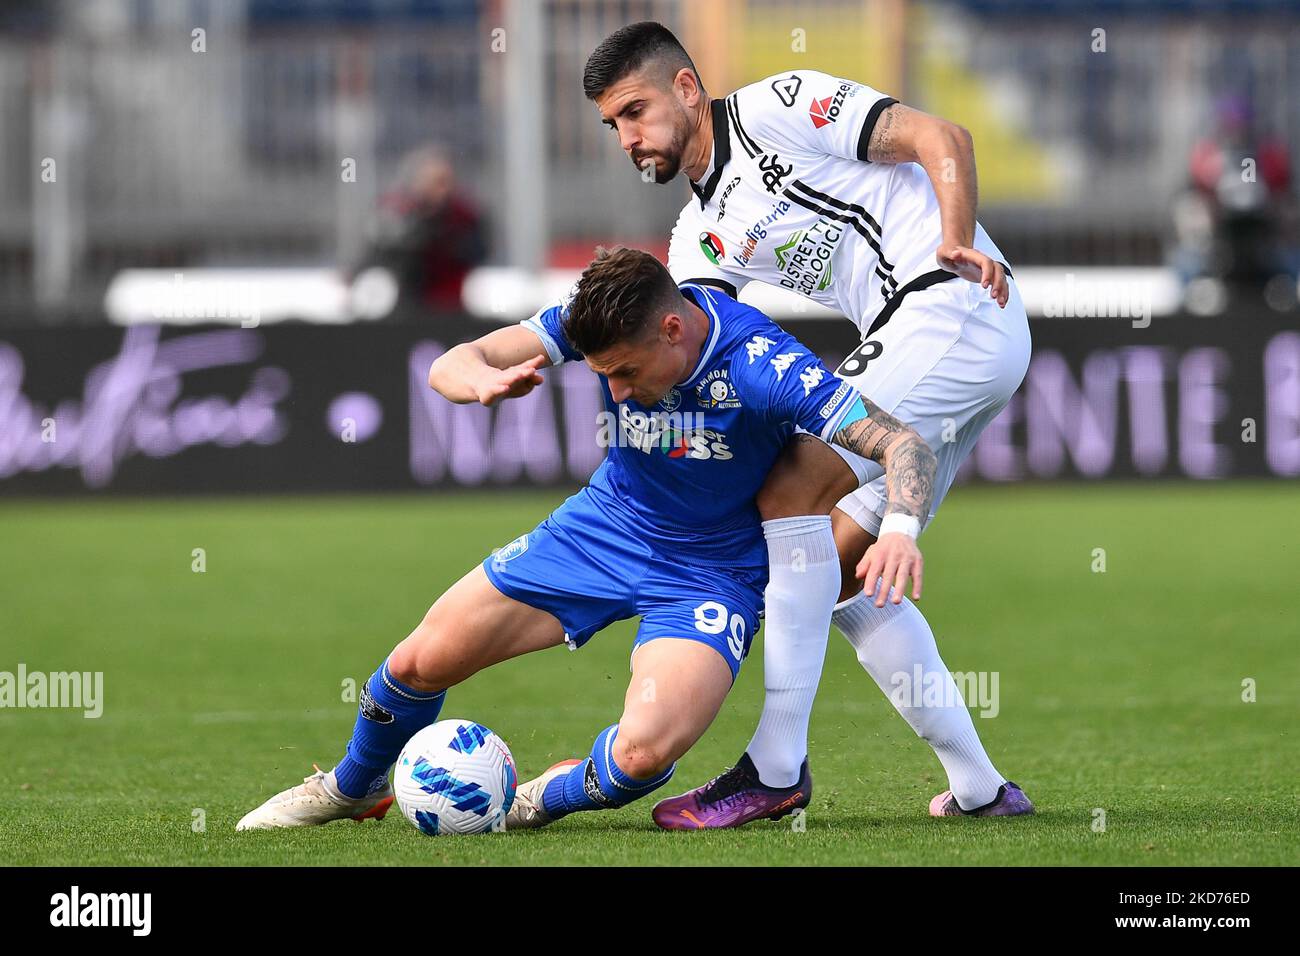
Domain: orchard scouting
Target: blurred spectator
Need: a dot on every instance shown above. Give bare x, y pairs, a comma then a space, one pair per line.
426, 233
1237, 219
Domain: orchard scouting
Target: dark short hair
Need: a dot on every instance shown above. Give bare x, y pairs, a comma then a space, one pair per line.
618, 299
628, 49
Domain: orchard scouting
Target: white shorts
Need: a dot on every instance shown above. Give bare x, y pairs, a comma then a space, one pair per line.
947, 363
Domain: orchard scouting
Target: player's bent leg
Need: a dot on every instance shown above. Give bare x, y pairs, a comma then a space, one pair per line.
896, 646
472, 626
676, 690
803, 581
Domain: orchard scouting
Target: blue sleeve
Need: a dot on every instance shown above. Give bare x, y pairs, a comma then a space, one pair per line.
784, 380
548, 324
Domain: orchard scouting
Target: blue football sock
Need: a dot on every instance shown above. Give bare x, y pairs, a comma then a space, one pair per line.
389, 715
598, 783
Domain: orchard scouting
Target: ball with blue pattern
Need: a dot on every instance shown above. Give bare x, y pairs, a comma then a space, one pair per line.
455, 777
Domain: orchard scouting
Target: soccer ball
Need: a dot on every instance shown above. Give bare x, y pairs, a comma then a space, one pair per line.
455, 776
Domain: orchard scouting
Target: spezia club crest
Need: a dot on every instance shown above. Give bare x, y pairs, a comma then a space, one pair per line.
716, 391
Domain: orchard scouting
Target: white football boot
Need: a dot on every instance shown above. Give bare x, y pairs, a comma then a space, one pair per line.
315, 801
526, 812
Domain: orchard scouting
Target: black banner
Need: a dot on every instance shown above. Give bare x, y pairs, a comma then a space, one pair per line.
315, 408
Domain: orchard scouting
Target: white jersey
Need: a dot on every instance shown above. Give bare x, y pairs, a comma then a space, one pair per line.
791, 200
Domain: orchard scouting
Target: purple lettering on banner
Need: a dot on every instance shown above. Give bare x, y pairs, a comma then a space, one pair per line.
430, 417
472, 443
524, 438
1060, 416
1282, 404
996, 454
1144, 374
582, 405
131, 405
1202, 405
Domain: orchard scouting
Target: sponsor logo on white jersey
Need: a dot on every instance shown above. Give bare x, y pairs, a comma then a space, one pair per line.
823, 112
787, 88
758, 232
805, 257
722, 203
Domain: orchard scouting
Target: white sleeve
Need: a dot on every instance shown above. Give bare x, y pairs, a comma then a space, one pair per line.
692, 250
814, 112
547, 323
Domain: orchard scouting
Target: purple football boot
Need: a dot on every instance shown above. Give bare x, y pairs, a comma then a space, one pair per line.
732, 800
1010, 802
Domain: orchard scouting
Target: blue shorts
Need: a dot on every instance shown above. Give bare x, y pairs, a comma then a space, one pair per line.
583, 565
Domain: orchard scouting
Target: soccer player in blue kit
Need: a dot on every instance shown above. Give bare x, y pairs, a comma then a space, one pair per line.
702, 393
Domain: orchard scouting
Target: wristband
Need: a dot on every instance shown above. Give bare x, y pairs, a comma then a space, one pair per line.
904, 524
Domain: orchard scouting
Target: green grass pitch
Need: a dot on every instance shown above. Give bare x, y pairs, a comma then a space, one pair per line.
1118, 691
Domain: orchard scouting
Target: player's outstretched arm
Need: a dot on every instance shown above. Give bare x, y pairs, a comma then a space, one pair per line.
947, 153
502, 364
910, 468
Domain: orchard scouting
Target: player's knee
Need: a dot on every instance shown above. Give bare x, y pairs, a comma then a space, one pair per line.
641, 758
421, 661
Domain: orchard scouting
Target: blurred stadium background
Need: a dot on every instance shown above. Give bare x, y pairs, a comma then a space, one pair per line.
273, 166
234, 234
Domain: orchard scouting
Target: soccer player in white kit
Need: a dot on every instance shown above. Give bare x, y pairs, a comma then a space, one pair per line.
838, 192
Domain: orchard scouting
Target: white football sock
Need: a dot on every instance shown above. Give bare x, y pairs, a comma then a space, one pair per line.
892, 642
802, 587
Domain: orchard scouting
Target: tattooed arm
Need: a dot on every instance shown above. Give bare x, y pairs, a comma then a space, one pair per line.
910, 467
947, 154
909, 463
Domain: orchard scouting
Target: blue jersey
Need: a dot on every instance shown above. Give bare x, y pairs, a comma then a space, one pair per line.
682, 476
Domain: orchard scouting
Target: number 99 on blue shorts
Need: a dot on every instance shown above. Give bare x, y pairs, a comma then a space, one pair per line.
589, 571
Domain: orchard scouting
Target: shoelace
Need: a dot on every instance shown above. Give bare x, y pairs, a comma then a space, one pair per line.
725, 787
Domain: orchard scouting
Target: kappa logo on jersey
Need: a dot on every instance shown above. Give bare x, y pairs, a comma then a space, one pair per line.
805, 258
758, 232
826, 111
773, 172
712, 247
781, 363
811, 377
716, 391
757, 347
787, 90
722, 203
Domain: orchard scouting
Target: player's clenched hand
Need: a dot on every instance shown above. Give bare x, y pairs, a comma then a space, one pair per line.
974, 266
513, 382
890, 562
